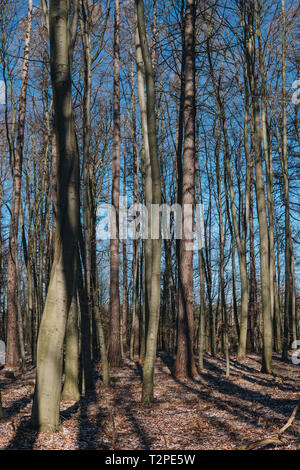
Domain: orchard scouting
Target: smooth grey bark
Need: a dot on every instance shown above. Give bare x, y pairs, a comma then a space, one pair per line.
133, 337
146, 166
250, 32
151, 344
275, 310
71, 384
45, 413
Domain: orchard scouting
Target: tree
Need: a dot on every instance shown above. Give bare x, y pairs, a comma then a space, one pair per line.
148, 369
250, 52
114, 344
185, 364
71, 383
289, 316
62, 283
13, 351
146, 167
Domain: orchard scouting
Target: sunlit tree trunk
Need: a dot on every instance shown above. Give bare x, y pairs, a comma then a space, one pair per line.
148, 369
12, 350
252, 275
184, 363
289, 314
260, 188
146, 167
71, 389
114, 344
63, 273
221, 262
275, 312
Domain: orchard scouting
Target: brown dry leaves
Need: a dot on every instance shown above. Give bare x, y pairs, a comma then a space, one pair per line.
213, 413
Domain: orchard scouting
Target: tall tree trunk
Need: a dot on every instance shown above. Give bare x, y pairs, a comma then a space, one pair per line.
134, 338
12, 350
275, 312
252, 280
289, 314
201, 336
114, 344
135, 332
45, 413
221, 261
124, 332
185, 364
88, 199
148, 370
260, 188
146, 166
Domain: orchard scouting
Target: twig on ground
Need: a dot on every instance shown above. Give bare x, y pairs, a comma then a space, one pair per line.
273, 439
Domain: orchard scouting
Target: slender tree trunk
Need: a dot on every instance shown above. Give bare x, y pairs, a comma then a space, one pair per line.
125, 287
260, 190
20, 319
12, 350
252, 281
146, 166
134, 340
148, 370
269, 177
289, 315
185, 364
88, 199
114, 344
221, 262
87, 382
103, 350
202, 309
101, 337
143, 307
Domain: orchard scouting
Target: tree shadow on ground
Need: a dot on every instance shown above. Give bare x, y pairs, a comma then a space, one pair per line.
237, 400
91, 424
16, 407
125, 394
25, 437
26, 434
137, 370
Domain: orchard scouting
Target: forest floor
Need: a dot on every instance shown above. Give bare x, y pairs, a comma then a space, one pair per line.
214, 412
